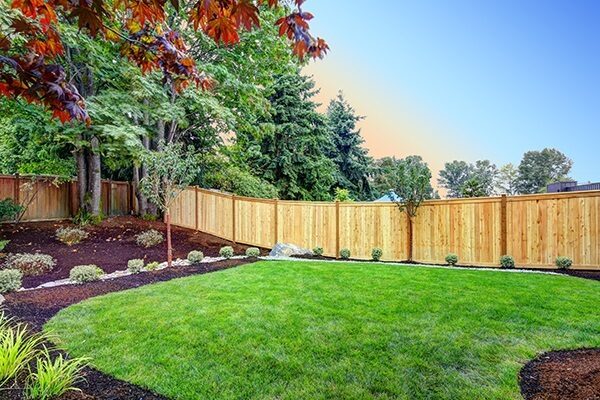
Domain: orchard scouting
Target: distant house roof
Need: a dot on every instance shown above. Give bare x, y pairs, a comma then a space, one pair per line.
387, 198
571, 186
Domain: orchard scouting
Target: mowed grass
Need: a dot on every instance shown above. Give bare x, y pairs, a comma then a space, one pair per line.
282, 330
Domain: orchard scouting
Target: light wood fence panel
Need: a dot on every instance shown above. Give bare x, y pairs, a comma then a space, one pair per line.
255, 221
215, 214
183, 211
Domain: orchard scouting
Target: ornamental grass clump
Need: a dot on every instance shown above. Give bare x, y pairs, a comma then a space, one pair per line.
318, 251
52, 378
195, 257
452, 259
85, 273
3, 244
10, 280
71, 236
507, 262
376, 254
252, 252
226, 252
30, 264
149, 238
345, 254
18, 347
135, 266
152, 266
563, 262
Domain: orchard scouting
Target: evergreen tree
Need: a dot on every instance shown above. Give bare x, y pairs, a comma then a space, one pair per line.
352, 160
292, 153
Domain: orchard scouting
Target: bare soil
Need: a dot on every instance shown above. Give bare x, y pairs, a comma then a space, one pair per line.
109, 245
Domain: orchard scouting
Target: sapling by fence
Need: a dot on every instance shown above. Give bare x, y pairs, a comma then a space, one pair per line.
169, 172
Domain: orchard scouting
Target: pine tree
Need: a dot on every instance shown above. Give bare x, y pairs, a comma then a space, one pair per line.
352, 160
292, 155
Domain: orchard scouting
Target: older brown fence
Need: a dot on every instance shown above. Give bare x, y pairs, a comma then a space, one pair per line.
47, 198
533, 229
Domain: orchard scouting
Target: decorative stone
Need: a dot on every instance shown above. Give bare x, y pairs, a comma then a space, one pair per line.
288, 250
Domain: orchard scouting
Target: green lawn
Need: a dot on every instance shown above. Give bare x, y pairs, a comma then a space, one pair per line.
282, 330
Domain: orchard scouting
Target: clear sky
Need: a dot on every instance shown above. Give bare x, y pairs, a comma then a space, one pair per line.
467, 80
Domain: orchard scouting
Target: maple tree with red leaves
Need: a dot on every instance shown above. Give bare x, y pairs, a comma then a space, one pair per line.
29, 49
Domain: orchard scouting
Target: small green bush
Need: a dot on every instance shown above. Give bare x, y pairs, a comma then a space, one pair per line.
376, 254
30, 264
507, 262
452, 259
85, 273
3, 244
10, 280
195, 257
563, 262
252, 252
53, 378
18, 347
71, 236
9, 210
83, 218
149, 238
318, 251
226, 252
149, 217
345, 254
152, 266
135, 266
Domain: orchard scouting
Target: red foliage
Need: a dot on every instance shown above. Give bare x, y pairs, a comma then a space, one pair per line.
28, 71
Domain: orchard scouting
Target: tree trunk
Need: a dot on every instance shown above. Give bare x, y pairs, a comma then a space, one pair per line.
410, 237
169, 244
81, 177
95, 187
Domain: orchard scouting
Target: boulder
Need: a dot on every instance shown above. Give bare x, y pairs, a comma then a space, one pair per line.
288, 250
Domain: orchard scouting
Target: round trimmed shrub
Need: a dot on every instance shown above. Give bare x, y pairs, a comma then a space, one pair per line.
252, 252
195, 257
345, 254
226, 252
10, 280
376, 254
507, 262
152, 266
30, 264
85, 273
70, 236
318, 251
149, 238
452, 259
563, 262
135, 266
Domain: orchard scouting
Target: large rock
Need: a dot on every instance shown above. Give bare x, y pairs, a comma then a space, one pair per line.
288, 250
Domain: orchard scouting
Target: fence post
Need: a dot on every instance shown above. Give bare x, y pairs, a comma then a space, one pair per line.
233, 217
337, 229
276, 232
17, 189
109, 198
197, 216
503, 226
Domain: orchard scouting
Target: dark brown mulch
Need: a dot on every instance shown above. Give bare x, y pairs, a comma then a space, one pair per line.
110, 245
593, 275
36, 307
562, 375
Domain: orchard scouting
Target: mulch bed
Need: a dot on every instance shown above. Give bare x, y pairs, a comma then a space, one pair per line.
110, 245
36, 307
562, 375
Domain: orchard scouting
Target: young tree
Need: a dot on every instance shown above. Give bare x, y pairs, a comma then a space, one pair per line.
540, 168
291, 154
506, 181
473, 187
169, 172
410, 180
454, 175
351, 158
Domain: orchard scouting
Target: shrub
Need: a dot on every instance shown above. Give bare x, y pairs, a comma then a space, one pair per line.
452, 259
84, 218
3, 244
30, 264
52, 379
318, 251
507, 261
18, 347
345, 254
149, 238
149, 217
9, 210
85, 273
71, 236
195, 257
10, 280
152, 266
135, 266
226, 252
252, 252
563, 262
376, 254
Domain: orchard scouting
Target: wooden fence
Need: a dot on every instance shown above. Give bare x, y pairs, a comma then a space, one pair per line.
54, 200
533, 229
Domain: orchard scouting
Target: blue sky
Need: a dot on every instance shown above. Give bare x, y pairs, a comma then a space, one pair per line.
467, 79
